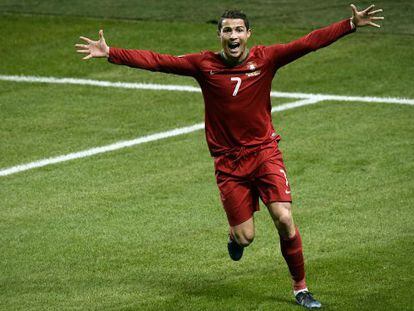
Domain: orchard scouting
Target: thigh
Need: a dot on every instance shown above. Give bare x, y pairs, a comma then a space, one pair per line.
240, 200
271, 180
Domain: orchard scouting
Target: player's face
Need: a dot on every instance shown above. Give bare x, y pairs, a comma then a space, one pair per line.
233, 36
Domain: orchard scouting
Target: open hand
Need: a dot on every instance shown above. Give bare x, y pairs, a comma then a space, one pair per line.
365, 17
93, 48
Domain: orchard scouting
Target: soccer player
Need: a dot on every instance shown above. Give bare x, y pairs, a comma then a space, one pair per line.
236, 84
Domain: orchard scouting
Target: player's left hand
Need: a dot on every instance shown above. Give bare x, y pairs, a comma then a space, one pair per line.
365, 17
93, 48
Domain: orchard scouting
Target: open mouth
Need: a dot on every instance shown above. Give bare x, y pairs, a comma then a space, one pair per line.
233, 46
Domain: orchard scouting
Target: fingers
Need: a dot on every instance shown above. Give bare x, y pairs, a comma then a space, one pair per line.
354, 9
369, 8
366, 17
87, 40
373, 24
84, 46
375, 12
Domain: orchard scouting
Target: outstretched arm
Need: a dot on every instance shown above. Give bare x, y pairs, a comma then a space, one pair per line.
93, 48
282, 54
142, 59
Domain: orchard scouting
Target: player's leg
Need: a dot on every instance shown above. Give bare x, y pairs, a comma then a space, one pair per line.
239, 202
291, 247
274, 189
290, 242
240, 236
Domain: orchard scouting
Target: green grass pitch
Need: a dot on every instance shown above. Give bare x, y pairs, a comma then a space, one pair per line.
142, 228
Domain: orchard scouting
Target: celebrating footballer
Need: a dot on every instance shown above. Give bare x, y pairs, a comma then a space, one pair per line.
236, 84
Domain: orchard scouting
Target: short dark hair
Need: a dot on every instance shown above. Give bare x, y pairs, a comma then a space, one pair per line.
233, 14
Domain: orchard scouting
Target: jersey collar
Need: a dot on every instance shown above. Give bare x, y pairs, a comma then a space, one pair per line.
230, 63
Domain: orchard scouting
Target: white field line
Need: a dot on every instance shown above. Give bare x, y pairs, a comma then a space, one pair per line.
130, 143
184, 88
306, 99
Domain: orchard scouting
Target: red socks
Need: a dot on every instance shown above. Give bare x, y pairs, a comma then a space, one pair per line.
292, 252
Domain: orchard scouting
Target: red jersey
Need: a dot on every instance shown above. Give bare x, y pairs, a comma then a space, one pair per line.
237, 99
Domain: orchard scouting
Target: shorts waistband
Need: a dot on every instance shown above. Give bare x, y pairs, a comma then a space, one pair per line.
238, 152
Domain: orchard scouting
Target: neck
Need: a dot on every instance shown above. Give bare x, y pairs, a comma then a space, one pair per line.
234, 61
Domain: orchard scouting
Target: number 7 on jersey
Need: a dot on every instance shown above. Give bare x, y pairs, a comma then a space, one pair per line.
236, 89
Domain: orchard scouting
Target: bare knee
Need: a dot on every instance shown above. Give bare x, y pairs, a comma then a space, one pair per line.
244, 233
244, 237
282, 216
285, 219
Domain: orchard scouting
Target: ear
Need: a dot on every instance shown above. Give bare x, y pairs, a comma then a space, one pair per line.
249, 33
218, 34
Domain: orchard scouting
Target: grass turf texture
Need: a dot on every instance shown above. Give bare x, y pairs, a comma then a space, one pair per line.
286, 14
142, 228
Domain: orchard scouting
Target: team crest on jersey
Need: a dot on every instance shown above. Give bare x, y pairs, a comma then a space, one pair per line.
252, 66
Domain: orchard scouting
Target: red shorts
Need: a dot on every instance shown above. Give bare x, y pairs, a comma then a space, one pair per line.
251, 173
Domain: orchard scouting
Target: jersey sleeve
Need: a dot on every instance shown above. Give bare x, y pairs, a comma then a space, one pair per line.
186, 65
282, 54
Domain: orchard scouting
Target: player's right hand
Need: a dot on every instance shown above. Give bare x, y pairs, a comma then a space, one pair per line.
93, 48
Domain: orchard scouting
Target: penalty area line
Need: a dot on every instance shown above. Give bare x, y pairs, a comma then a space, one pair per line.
133, 142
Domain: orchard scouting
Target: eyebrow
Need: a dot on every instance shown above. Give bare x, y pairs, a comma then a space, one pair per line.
236, 27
